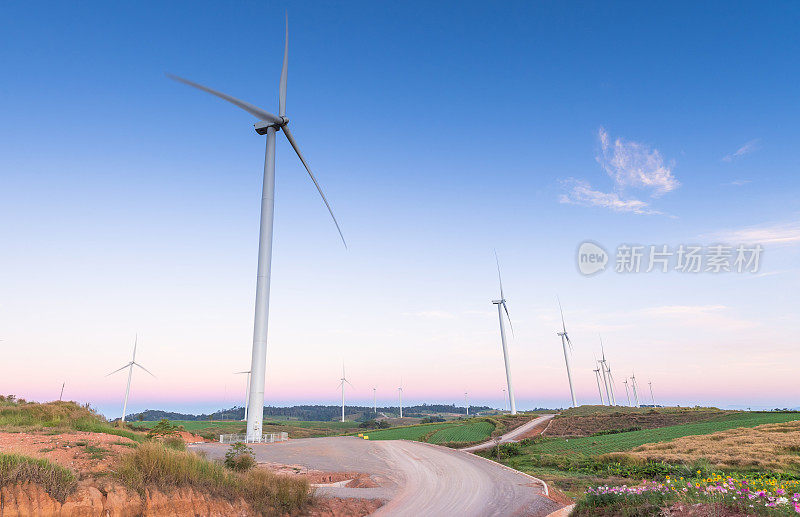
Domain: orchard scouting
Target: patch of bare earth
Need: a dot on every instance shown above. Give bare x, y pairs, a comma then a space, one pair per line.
85, 453
587, 425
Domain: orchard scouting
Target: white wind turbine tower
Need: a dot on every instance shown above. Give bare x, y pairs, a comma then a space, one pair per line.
130, 366
633, 387
502, 303
375, 399
652, 397
400, 394
564, 341
342, 382
604, 370
466, 403
611, 385
268, 124
505, 400
625, 382
246, 393
597, 378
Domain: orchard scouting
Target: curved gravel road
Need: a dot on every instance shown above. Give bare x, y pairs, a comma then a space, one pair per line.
415, 479
512, 436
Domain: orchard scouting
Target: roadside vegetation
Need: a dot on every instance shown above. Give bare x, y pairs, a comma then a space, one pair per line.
57, 481
211, 429
614, 468
153, 465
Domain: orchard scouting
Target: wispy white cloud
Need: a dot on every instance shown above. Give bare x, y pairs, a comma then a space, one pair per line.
581, 193
773, 233
635, 165
738, 183
747, 148
631, 166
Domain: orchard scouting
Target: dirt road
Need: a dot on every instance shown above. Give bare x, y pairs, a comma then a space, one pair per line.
414, 478
512, 436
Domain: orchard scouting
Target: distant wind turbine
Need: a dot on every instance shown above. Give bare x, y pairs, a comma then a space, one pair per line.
246, 393
652, 397
625, 382
268, 124
633, 387
597, 378
62, 390
501, 305
611, 385
564, 342
130, 366
505, 400
342, 382
375, 399
400, 394
604, 370
466, 403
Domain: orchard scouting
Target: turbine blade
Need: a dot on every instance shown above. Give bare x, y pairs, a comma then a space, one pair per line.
500, 279
284, 73
509, 317
569, 341
119, 369
237, 373
348, 382
563, 326
135, 342
253, 110
145, 369
319, 189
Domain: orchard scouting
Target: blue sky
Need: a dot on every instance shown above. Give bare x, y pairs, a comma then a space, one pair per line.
439, 132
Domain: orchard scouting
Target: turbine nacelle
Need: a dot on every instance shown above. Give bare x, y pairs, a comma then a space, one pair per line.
262, 126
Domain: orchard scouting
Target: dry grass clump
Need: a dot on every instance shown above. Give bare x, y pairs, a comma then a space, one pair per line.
54, 479
769, 446
153, 465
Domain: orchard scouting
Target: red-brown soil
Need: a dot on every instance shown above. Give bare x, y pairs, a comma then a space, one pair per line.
69, 449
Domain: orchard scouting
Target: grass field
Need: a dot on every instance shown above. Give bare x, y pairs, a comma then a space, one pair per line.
591, 446
211, 429
456, 431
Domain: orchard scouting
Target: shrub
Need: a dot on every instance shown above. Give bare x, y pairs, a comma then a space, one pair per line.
162, 429
54, 479
265, 491
431, 420
240, 457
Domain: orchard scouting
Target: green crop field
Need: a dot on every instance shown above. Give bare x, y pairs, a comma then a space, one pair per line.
596, 445
472, 432
456, 431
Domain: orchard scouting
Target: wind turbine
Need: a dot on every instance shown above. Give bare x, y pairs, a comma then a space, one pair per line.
564, 341
246, 393
343, 380
505, 400
375, 399
400, 394
633, 387
130, 366
268, 124
603, 368
466, 403
651, 393
597, 378
625, 382
62, 391
502, 303
611, 385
